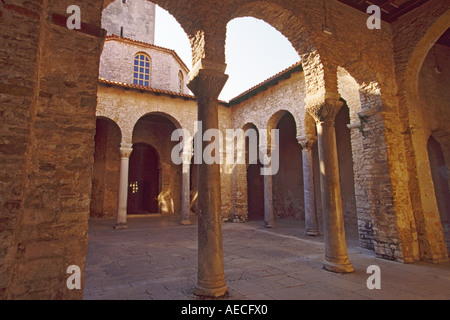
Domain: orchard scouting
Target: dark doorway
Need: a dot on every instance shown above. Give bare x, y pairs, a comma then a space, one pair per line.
143, 186
255, 181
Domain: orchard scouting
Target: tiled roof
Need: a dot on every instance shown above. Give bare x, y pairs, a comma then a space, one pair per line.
145, 88
151, 90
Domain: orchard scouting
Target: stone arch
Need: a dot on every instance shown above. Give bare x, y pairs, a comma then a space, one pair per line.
318, 70
439, 172
282, 19
109, 119
420, 52
288, 187
139, 114
105, 172
155, 129
415, 107
275, 118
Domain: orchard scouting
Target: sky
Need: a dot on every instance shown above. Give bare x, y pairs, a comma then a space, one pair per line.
254, 50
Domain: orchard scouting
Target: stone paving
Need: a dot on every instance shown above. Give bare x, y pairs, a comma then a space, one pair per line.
156, 259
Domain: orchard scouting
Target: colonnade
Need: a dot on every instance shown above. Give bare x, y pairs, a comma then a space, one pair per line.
206, 82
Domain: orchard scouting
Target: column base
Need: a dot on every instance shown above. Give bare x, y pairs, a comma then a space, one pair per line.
186, 222
210, 292
120, 226
312, 233
269, 225
344, 267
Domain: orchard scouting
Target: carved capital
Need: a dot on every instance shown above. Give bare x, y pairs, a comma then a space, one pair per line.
324, 110
125, 152
207, 80
307, 142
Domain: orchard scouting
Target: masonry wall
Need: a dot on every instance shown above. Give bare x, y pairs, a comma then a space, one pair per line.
136, 17
127, 106
117, 64
413, 36
49, 97
106, 170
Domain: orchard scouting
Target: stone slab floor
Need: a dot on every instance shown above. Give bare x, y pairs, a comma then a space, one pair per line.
156, 259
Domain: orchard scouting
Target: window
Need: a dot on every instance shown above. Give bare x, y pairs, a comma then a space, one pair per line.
121, 32
180, 82
141, 74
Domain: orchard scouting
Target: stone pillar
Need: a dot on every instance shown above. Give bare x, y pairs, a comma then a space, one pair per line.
269, 218
311, 225
185, 189
324, 113
125, 153
206, 81
269, 215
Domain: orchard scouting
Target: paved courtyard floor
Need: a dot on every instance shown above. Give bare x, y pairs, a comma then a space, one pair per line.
156, 259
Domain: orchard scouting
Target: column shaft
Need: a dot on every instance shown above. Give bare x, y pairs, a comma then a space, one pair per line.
311, 226
185, 193
125, 153
269, 217
206, 84
336, 257
211, 275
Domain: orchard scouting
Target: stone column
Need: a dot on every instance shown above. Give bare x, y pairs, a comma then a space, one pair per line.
206, 81
324, 113
269, 215
311, 225
269, 218
185, 189
125, 153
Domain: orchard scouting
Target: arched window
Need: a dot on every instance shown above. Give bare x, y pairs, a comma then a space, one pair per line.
141, 74
180, 82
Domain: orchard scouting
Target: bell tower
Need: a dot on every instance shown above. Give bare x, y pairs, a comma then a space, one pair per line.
133, 19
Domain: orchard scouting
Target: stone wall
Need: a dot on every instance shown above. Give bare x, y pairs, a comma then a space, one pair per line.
127, 106
106, 170
117, 64
136, 19
48, 93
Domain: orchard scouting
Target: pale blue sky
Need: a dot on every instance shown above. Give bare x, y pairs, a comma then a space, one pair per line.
254, 50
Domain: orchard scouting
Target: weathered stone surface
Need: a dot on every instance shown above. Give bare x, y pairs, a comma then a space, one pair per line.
48, 92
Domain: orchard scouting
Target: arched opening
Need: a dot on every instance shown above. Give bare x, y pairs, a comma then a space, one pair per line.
428, 109
439, 173
143, 180
255, 181
288, 195
255, 51
155, 130
105, 180
346, 174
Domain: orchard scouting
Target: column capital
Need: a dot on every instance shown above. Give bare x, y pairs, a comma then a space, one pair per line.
207, 79
186, 157
323, 109
125, 150
307, 141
